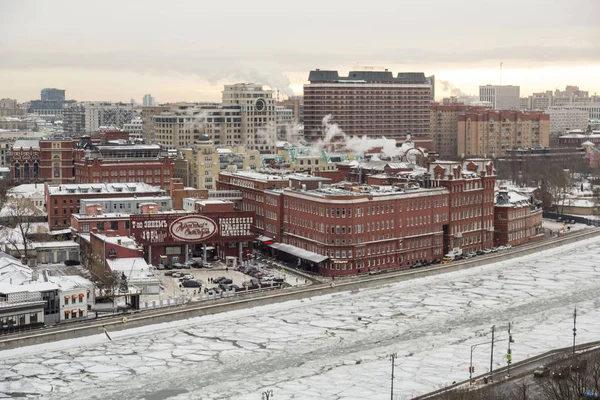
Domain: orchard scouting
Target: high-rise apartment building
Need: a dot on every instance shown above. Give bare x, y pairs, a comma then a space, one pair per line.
175, 129
492, 132
51, 94
502, 97
258, 115
372, 103
148, 114
444, 127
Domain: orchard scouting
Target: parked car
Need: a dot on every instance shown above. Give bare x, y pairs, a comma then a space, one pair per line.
560, 373
176, 274
185, 266
191, 283
160, 267
168, 273
70, 263
541, 371
494, 249
177, 266
417, 265
220, 279
446, 260
374, 272
480, 252
486, 251
471, 254
236, 288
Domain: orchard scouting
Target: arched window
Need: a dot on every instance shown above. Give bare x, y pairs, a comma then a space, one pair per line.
17, 171
26, 170
56, 166
36, 170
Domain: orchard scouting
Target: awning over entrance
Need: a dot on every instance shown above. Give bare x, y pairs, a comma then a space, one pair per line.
262, 238
298, 252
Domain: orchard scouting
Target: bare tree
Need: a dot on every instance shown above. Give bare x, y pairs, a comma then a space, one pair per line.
19, 213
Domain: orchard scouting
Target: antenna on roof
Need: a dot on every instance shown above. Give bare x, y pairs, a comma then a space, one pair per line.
500, 73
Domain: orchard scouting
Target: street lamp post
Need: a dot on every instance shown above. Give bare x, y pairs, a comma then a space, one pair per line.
574, 327
267, 394
393, 358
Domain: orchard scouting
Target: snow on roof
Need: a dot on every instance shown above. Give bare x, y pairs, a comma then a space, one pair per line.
26, 144
49, 245
70, 282
27, 190
135, 269
133, 187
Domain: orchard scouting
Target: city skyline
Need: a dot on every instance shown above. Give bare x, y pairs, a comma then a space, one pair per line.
183, 59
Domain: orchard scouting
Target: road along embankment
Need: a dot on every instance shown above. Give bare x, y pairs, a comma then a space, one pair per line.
190, 310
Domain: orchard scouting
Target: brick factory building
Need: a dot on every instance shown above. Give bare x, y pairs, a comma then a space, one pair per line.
122, 163
372, 103
516, 220
42, 161
347, 229
64, 200
174, 237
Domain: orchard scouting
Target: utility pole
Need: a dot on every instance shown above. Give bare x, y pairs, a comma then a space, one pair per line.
393, 358
574, 327
492, 356
509, 352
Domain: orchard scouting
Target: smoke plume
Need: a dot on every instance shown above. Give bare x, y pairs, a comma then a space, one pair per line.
449, 87
335, 137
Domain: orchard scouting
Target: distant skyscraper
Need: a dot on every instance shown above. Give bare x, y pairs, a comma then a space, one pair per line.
51, 94
148, 100
504, 97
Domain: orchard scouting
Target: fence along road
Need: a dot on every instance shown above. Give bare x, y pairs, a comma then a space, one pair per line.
189, 310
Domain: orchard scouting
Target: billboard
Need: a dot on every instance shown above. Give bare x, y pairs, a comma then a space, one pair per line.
193, 228
174, 228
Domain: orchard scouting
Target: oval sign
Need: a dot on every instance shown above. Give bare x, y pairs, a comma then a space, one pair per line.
193, 228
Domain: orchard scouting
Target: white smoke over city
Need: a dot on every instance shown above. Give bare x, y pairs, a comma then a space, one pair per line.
449, 87
334, 137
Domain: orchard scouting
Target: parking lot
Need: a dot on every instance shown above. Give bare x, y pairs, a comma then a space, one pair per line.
265, 276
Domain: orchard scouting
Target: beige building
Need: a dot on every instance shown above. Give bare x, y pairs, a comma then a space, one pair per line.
492, 132
444, 127
258, 117
311, 164
148, 121
200, 164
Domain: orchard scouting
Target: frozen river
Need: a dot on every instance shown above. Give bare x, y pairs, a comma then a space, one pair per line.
333, 347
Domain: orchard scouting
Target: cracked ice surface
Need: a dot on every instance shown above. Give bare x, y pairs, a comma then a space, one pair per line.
319, 348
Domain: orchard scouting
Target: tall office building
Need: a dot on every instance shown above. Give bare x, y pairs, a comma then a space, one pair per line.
504, 97
148, 101
51, 94
372, 103
259, 118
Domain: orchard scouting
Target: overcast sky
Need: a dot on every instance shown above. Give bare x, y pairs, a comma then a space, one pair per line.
186, 50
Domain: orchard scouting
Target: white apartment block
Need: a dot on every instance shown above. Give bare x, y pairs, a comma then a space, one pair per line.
99, 114
564, 119
135, 128
593, 109
505, 97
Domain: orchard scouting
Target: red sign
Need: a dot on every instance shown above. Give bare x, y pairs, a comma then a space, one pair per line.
193, 228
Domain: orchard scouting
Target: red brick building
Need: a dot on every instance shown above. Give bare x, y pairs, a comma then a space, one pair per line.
471, 198
516, 221
253, 186
122, 164
95, 220
173, 237
346, 229
64, 200
42, 161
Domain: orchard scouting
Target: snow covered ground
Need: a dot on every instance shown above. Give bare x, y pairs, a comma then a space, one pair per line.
332, 347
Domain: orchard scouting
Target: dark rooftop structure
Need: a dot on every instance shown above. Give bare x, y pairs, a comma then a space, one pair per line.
386, 76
